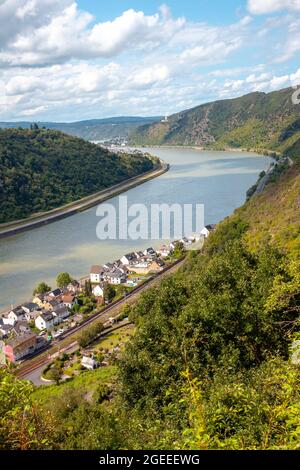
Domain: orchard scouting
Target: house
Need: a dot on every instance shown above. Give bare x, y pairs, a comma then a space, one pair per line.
31, 316
60, 314
194, 237
185, 241
109, 266
207, 230
39, 299
116, 277
129, 258
163, 251
51, 305
20, 328
74, 286
96, 274
156, 265
98, 291
45, 321
5, 330
69, 300
142, 267
29, 307
149, 252
20, 346
89, 362
55, 293
139, 254
16, 314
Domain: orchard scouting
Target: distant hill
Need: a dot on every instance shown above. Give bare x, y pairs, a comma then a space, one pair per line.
44, 169
254, 121
93, 129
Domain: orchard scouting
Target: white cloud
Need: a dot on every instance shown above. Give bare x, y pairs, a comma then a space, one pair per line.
260, 7
59, 63
45, 32
21, 84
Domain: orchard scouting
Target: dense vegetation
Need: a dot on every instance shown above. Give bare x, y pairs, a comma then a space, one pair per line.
214, 362
255, 121
42, 170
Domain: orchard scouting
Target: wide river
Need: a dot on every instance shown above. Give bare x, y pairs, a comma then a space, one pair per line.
219, 180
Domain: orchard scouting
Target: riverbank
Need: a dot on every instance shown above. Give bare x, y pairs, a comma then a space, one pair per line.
12, 228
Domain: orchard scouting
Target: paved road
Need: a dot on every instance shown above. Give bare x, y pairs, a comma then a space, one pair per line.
78, 206
68, 340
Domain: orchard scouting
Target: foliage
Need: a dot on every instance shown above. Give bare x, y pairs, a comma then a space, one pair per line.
24, 424
89, 334
42, 169
256, 121
109, 292
63, 279
42, 288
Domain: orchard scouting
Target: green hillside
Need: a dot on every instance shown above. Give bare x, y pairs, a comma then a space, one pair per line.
255, 121
214, 362
44, 169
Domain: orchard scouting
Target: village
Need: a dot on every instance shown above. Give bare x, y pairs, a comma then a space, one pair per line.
31, 326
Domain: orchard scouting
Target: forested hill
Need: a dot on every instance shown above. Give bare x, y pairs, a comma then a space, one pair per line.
91, 129
44, 169
215, 359
254, 121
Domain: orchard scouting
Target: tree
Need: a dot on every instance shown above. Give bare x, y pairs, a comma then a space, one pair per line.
42, 288
109, 292
63, 279
24, 425
178, 250
88, 288
54, 374
89, 334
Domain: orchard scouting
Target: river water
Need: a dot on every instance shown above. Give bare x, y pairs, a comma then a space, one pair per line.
219, 180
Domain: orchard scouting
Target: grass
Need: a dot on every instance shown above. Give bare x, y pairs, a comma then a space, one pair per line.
87, 381
115, 338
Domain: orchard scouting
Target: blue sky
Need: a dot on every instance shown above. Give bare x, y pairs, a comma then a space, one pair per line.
68, 60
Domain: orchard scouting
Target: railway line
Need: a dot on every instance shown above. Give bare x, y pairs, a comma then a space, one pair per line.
61, 344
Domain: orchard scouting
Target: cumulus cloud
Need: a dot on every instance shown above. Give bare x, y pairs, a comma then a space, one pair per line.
49, 31
58, 62
260, 7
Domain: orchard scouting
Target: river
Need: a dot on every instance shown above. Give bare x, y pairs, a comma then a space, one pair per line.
219, 180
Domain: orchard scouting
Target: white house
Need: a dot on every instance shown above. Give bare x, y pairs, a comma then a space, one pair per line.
69, 300
98, 291
60, 314
32, 315
115, 277
16, 314
45, 321
96, 273
149, 252
89, 362
129, 258
163, 251
207, 230
29, 307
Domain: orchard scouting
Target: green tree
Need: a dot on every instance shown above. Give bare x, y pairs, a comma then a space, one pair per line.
89, 334
54, 374
24, 425
42, 288
63, 279
109, 292
178, 250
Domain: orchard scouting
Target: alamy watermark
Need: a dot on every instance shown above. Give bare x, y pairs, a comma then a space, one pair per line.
296, 96
155, 222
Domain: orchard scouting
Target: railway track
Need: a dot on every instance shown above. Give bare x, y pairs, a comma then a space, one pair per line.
56, 347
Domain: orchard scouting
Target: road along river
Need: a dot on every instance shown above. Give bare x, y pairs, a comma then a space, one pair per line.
219, 180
